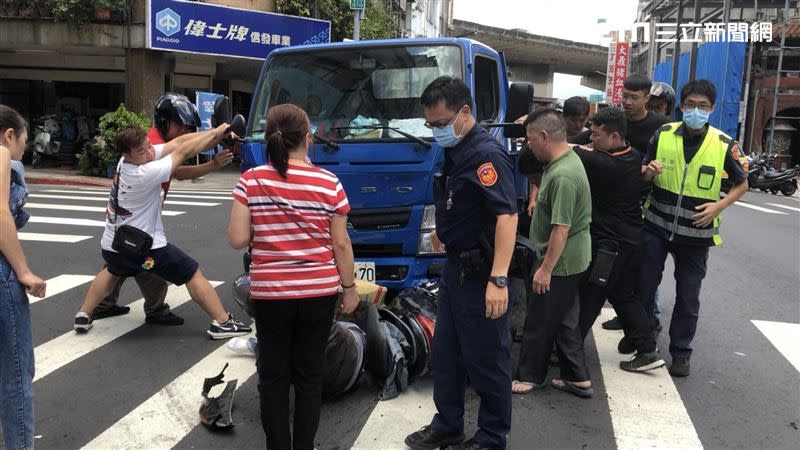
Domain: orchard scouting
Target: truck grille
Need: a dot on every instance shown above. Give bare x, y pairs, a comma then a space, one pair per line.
378, 218
367, 250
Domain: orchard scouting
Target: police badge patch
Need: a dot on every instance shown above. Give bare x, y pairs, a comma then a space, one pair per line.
487, 174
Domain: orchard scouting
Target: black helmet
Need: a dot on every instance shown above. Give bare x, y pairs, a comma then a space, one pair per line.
175, 108
664, 91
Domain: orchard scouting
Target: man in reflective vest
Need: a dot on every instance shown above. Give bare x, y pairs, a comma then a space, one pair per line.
685, 161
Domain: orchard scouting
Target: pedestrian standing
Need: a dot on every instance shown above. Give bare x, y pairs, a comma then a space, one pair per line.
684, 162
560, 231
475, 203
16, 281
295, 217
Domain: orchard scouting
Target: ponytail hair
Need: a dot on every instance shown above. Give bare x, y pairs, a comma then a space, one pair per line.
287, 126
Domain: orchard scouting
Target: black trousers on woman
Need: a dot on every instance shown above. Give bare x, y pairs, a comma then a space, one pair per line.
292, 335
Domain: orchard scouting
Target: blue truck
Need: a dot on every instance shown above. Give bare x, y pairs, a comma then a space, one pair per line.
363, 102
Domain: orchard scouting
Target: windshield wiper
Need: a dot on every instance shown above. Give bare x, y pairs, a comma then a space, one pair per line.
416, 139
326, 142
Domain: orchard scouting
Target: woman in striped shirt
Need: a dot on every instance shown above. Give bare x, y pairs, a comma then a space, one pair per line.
294, 216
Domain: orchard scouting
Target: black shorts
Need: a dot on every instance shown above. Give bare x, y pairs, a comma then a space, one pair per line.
169, 263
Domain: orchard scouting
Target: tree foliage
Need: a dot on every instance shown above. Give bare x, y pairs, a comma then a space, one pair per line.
380, 21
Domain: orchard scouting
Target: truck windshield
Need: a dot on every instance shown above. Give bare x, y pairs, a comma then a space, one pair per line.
344, 89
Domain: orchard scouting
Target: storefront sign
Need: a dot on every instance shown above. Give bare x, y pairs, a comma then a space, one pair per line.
194, 27
616, 71
205, 109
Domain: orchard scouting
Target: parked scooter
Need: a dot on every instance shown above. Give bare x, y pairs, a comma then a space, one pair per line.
763, 176
43, 146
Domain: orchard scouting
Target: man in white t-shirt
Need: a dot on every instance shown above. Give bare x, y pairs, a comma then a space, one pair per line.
136, 201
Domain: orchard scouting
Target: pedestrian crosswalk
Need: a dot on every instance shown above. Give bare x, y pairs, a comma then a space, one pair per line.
56, 212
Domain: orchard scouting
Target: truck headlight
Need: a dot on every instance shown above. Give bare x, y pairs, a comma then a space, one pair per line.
428, 218
425, 245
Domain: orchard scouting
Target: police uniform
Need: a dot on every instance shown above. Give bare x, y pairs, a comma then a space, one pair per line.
691, 175
475, 186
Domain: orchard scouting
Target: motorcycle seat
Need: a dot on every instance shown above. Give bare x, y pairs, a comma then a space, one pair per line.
773, 174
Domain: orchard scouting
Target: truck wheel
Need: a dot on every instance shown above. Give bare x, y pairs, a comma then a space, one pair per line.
789, 189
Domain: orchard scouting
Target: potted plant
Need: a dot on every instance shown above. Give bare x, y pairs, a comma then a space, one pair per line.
74, 12
99, 157
106, 9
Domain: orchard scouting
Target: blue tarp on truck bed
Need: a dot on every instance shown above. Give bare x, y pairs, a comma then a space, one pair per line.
723, 64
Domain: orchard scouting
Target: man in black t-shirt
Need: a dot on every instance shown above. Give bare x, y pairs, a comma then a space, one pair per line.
575, 113
641, 123
614, 172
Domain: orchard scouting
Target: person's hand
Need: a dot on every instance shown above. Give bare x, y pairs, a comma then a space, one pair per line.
222, 159
436, 244
653, 168
496, 301
708, 212
33, 284
541, 281
531, 205
521, 119
350, 300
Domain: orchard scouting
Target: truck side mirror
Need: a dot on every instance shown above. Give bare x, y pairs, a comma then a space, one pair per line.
222, 111
518, 104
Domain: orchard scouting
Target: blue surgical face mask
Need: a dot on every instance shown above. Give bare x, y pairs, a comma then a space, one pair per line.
446, 137
696, 118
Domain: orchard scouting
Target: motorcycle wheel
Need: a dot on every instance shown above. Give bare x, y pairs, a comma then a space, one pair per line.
36, 160
774, 191
762, 189
789, 189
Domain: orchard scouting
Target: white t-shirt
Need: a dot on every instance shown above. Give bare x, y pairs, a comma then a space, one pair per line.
140, 199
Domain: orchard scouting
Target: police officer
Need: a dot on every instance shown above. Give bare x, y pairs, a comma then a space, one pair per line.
475, 204
684, 162
174, 116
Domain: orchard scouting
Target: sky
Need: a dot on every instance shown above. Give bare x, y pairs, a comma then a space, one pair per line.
575, 20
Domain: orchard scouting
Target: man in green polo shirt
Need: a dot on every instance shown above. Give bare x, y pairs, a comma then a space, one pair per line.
560, 231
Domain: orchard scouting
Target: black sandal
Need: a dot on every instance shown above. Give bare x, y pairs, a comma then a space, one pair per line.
114, 310
572, 389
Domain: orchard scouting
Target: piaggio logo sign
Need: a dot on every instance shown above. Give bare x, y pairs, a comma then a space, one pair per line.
168, 22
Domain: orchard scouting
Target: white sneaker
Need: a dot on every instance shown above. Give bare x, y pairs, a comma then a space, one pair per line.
243, 346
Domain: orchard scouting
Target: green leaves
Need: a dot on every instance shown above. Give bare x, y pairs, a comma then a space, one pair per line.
98, 153
380, 21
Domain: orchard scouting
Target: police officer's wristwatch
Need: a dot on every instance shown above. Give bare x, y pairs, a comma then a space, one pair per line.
499, 280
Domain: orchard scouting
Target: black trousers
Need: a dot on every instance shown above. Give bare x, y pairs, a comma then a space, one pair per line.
292, 335
154, 290
621, 291
553, 318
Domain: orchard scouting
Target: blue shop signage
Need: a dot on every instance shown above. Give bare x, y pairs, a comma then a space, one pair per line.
194, 27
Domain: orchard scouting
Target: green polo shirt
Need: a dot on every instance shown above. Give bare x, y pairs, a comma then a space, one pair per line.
564, 199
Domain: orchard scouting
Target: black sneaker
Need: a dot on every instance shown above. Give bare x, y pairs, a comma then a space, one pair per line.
83, 322
626, 346
428, 439
679, 367
472, 445
114, 310
642, 362
613, 324
168, 319
229, 329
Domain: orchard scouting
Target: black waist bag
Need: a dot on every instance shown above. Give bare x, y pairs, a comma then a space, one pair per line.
524, 260
131, 242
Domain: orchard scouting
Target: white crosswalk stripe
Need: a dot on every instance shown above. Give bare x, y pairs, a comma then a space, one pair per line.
50, 237
67, 221
58, 352
61, 283
105, 199
171, 194
790, 208
759, 208
84, 208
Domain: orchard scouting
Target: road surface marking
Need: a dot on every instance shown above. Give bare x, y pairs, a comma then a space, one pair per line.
164, 419
105, 199
60, 351
67, 221
759, 208
48, 237
61, 283
790, 208
177, 191
392, 420
784, 336
637, 401
85, 208
228, 196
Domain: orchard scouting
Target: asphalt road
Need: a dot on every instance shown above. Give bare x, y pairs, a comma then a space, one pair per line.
132, 385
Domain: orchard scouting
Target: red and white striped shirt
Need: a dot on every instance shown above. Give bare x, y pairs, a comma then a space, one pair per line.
291, 218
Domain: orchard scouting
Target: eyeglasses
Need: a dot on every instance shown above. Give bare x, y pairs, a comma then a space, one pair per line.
446, 123
703, 106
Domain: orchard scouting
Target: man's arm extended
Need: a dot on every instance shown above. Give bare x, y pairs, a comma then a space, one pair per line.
196, 144
191, 172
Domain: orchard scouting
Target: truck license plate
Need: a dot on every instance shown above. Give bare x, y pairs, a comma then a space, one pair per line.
365, 271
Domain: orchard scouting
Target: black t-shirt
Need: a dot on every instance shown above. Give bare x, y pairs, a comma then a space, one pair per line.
582, 138
616, 182
639, 133
692, 143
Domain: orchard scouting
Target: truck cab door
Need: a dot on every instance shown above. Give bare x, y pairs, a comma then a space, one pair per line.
488, 88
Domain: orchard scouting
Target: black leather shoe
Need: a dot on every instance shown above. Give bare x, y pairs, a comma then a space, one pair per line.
472, 445
168, 319
114, 310
429, 439
680, 367
612, 324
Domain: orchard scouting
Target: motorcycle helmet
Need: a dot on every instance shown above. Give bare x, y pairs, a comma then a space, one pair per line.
175, 108
665, 92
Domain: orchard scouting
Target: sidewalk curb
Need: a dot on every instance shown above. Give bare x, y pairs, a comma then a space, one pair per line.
67, 181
